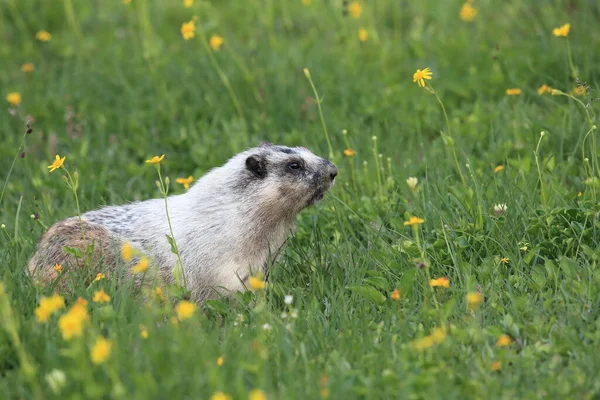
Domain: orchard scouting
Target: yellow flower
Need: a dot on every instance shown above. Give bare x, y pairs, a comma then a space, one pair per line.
562, 30
423, 343
440, 282
140, 267
474, 300
99, 276
216, 41
58, 268
158, 294
14, 98
188, 30
101, 297
156, 159
126, 2
355, 9
57, 163
101, 350
306, 2
395, 295
498, 168
127, 252
412, 182
49, 305
188, 3
43, 36
257, 394
71, 324
143, 332
363, 35
220, 361
544, 89
505, 260
414, 221
496, 365
185, 181
256, 283
349, 152
503, 341
27, 67
578, 91
323, 383
467, 12
220, 396
420, 75
185, 309
555, 92
81, 303
438, 335
513, 92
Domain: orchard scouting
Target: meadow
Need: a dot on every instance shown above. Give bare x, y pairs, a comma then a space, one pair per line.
456, 257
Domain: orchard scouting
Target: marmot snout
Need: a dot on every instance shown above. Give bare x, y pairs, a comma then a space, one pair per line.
227, 225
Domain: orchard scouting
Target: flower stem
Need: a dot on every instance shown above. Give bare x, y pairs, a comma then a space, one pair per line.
180, 273
451, 141
318, 100
9, 323
73, 185
571, 64
222, 75
537, 163
70, 13
417, 235
12, 166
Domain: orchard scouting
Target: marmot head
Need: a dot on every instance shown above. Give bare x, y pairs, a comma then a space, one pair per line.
288, 178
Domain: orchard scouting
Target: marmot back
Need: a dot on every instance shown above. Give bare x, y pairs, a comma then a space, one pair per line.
227, 225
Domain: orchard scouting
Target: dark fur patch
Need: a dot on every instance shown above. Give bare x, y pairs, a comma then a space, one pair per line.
257, 164
285, 150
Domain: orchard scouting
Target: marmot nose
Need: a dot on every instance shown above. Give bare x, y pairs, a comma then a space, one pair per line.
333, 171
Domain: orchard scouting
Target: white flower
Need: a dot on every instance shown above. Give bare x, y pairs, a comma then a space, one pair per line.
412, 182
267, 327
499, 209
294, 314
284, 315
56, 380
288, 299
239, 319
2, 226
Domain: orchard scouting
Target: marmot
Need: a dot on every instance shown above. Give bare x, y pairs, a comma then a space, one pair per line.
227, 226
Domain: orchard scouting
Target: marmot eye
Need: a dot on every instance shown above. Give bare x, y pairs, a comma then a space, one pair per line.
294, 165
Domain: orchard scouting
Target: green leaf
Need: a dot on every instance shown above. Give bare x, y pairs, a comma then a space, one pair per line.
172, 243
178, 292
407, 281
368, 292
568, 266
379, 282
217, 306
75, 252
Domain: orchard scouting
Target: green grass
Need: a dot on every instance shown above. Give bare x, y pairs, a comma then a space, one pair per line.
117, 84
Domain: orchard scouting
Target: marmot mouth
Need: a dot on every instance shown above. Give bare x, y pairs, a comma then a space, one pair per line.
316, 198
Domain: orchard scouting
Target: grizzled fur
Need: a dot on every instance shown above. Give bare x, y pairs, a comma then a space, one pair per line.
227, 225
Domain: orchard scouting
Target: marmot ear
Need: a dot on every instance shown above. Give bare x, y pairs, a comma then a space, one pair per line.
256, 164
